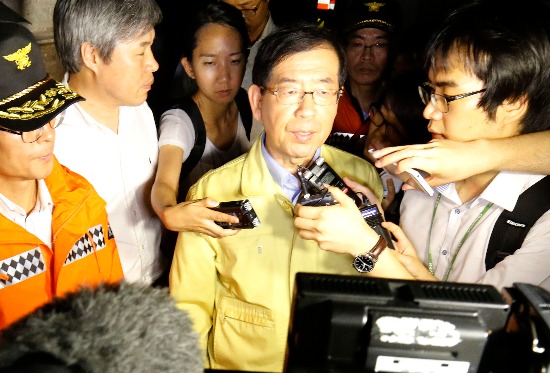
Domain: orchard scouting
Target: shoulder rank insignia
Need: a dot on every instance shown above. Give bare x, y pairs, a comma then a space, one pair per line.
374, 7
21, 57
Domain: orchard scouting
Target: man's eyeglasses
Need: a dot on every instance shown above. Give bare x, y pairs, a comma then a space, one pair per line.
32, 136
250, 12
441, 102
360, 48
293, 96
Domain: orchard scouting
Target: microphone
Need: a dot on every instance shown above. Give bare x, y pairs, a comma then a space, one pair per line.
113, 328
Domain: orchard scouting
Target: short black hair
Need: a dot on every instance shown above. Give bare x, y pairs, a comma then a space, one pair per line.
219, 13
289, 40
506, 45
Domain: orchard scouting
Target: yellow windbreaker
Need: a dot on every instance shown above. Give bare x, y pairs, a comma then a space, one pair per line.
238, 290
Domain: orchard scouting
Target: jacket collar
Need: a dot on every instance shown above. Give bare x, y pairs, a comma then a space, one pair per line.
256, 180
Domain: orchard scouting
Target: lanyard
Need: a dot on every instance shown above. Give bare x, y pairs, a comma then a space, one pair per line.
462, 241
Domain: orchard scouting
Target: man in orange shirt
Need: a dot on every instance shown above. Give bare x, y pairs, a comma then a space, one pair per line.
54, 233
367, 30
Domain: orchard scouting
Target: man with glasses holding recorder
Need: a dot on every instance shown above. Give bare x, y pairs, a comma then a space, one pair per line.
54, 233
488, 79
238, 289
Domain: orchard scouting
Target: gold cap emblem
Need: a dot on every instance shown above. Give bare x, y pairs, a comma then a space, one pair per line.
374, 7
21, 57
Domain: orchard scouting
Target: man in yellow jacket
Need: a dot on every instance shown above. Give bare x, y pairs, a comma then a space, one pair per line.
54, 233
238, 289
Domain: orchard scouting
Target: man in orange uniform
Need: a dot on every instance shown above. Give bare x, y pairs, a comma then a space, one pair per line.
54, 233
367, 31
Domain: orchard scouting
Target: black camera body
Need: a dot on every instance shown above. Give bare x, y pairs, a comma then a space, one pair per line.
324, 198
241, 209
320, 172
315, 194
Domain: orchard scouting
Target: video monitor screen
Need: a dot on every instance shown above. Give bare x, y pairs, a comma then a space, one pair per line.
364, 324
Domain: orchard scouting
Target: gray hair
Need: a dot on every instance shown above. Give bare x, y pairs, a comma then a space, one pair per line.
102, 24
113, 329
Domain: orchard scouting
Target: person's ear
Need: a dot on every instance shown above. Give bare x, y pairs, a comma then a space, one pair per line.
255, 98
513, 112
90, 56
188, 67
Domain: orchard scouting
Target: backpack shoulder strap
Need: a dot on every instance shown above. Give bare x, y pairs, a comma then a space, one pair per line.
511, 227
243, 105
189, 106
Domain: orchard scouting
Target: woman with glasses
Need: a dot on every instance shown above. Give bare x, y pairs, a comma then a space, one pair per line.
205, 130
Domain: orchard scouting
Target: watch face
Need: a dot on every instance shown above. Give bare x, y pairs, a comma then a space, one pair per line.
363, 263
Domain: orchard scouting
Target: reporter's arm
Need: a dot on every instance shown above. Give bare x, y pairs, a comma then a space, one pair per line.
195, 216
165, 189
448, 161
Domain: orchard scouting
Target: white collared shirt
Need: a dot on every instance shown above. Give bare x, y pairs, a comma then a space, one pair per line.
121, 167
39, 220
529, 264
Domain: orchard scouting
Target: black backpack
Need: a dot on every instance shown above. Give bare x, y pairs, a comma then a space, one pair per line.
189, 106
511, 227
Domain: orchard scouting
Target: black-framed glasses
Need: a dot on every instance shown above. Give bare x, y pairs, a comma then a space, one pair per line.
360, 48
293, 96
32, 136
250, 12
441, 102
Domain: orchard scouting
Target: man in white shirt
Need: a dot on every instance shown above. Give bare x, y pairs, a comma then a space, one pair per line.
111, 139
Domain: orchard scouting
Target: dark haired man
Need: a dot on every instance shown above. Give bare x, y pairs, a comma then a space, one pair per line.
488, 79
54, 233
238, 289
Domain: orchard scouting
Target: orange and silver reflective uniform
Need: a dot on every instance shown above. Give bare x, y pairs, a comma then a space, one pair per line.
83, 251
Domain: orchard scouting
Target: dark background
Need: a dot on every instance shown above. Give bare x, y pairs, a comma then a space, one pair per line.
420, 18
